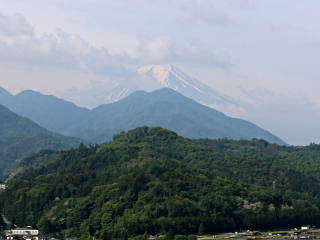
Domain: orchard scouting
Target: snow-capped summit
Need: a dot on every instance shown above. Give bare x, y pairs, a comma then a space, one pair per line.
159, 72
172, 77
159, 76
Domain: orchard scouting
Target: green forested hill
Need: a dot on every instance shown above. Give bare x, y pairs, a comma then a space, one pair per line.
20, 137
295, 170
150, 179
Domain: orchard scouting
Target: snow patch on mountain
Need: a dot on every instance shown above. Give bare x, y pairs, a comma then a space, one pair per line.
159, 76
172, 77
118, 93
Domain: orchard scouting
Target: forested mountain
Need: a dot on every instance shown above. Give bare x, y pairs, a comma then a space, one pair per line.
151, 179
20, 137
295, 170
164, 107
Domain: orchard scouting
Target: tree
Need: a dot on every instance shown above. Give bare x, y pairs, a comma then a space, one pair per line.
170, 235
46, 226
192, 237
201, 229
180, 237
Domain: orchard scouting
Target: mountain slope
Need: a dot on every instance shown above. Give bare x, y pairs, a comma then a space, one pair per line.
295, 169
168, 109
19, 137
48, 111
5, 96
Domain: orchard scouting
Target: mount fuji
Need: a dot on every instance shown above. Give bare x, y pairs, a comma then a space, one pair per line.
159, 76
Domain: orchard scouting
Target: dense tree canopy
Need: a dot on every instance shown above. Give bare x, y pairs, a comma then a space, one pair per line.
150, 179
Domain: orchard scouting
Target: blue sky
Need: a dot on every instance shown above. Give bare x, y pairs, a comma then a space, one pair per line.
263, 53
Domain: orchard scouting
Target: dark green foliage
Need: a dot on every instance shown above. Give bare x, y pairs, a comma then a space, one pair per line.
20, 137
180, 237
295, 170
201, 229
150, 179
192, 237
138, 238
170, 235
45, 226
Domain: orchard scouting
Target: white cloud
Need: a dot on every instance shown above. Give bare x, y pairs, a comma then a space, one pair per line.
155, 49
19, 45
15, 25
161, 49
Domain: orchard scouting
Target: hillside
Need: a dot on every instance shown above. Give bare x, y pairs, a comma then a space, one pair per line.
164, 107
150, 179
20, 137
295, 170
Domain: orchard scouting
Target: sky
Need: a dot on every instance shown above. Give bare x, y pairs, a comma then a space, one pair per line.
265, 53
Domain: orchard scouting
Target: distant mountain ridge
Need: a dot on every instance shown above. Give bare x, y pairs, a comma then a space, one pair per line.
171, 110
165, 107
5, 96
48, 111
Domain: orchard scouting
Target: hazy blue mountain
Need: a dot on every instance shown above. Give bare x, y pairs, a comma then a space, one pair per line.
168, 109
164, 107
48, 111
5, 96
19, 137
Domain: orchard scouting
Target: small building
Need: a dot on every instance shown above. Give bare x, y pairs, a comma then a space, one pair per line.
3, 186
28, 230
